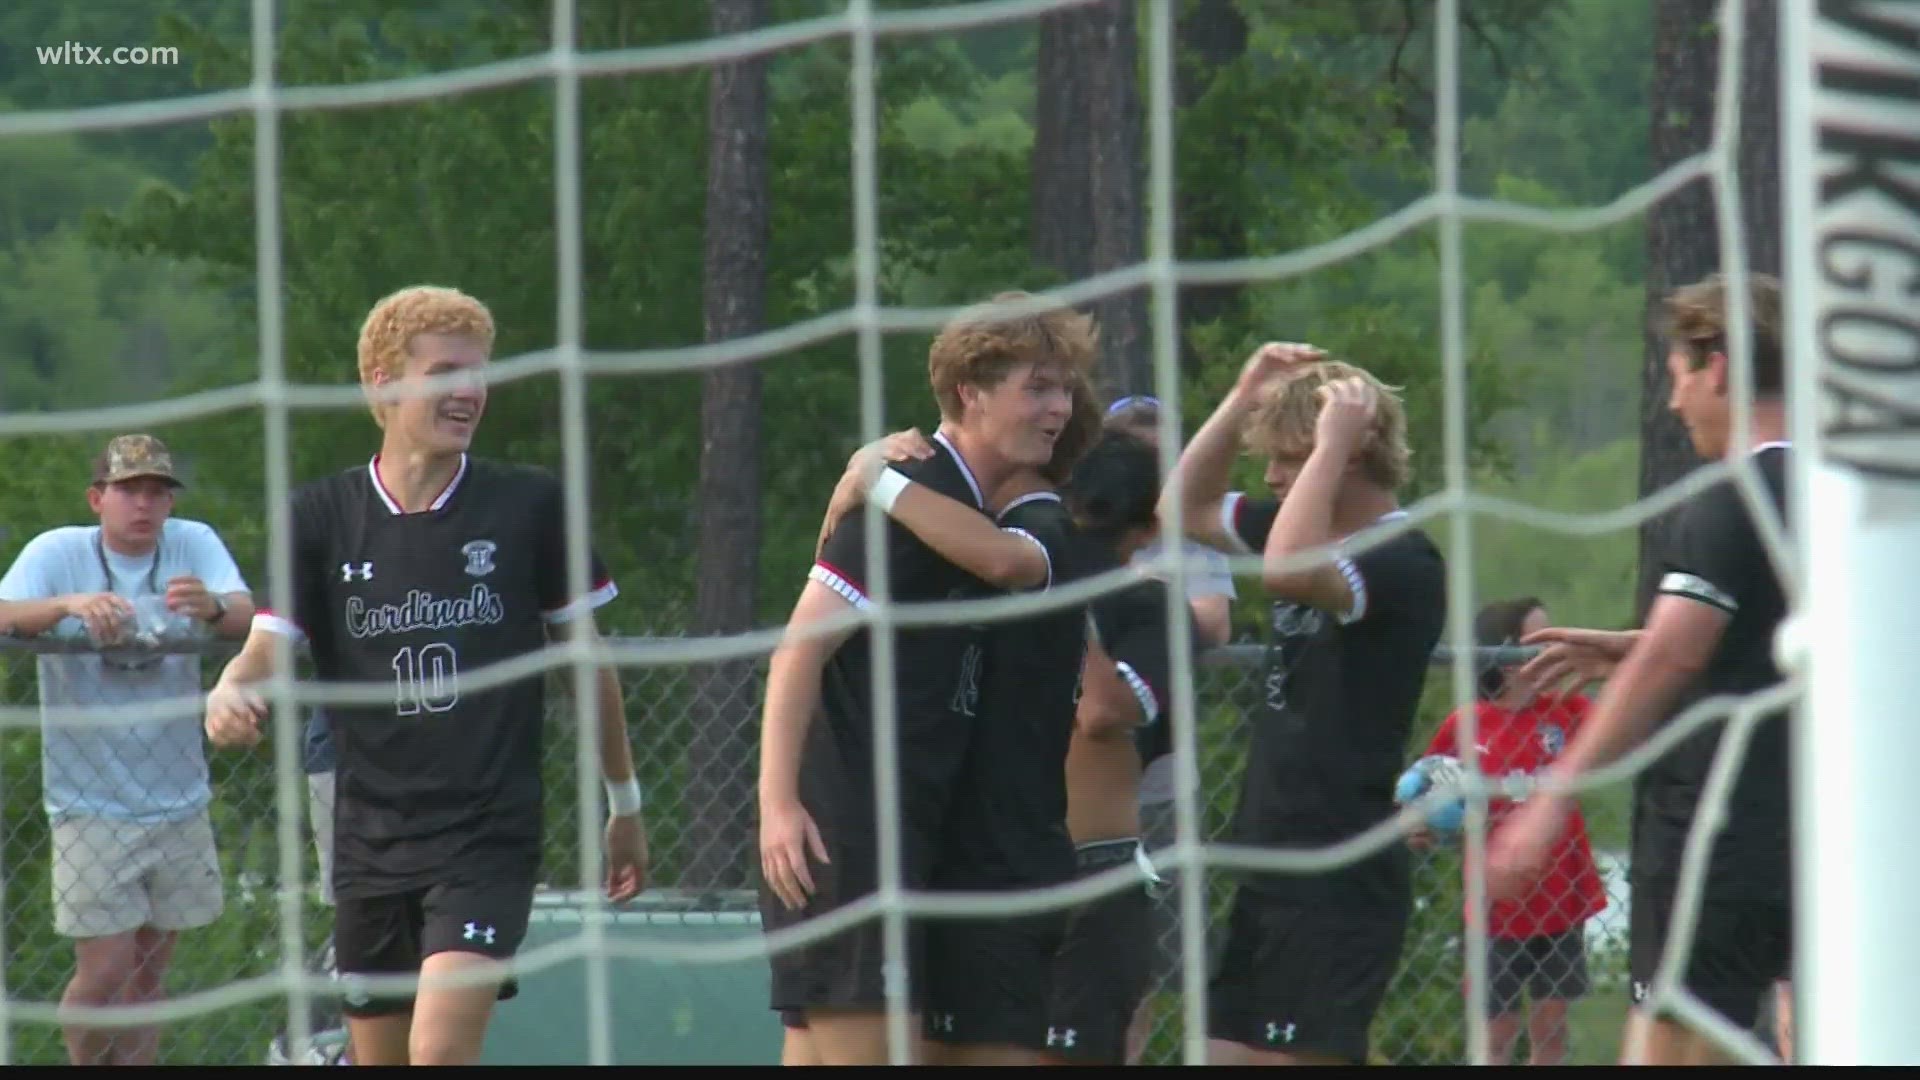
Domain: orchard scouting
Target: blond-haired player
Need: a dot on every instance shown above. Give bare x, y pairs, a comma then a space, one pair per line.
1308, 957
421, 569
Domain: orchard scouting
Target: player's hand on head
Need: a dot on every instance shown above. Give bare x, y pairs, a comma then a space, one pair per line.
787, 836
105, 615
234, 715
626, 874
1275, 359
1347, 408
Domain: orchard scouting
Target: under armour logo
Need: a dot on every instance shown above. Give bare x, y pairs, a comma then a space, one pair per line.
476, 932
349, 571
943, 1022
1279, 1033
1057, 1037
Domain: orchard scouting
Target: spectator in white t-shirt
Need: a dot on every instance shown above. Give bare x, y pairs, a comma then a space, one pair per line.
1210, 593
125, 772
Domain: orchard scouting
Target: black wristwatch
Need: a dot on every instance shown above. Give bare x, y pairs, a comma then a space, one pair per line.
219, 609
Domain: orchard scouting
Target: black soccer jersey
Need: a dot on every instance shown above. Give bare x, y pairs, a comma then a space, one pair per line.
1718, 558
1009, 820
938, 669
1339, 700
445, 775
1131, 626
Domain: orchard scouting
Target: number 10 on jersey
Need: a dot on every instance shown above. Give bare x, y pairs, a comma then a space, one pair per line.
425, 678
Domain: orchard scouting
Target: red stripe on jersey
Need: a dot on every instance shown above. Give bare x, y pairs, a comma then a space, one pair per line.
842, 575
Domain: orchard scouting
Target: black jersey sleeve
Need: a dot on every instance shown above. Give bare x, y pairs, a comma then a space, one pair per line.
1396, 578
1042, 520
313, 522
1131, 626
1718, 557
1384, 578
558, 603
1247, 519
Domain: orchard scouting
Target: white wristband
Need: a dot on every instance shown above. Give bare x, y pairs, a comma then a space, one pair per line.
887, 488
623, 797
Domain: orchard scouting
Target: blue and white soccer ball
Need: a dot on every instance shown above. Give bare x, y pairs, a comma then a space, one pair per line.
1422, 777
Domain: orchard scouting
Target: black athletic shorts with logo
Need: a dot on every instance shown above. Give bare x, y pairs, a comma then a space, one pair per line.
1101, 973
484, 910
1305, 976
1743, 940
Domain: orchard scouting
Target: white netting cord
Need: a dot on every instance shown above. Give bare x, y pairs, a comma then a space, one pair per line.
290, 803
574, 451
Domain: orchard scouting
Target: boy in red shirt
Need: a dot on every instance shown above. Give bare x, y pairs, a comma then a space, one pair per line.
1536, 944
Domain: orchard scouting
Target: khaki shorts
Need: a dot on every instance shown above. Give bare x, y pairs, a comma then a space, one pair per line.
112, 876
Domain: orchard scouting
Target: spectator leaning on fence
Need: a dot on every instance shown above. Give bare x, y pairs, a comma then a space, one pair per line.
126, 780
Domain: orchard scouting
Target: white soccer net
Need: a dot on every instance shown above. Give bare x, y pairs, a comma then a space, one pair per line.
1460, 501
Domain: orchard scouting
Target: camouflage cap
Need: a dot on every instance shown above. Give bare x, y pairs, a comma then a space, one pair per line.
131, 456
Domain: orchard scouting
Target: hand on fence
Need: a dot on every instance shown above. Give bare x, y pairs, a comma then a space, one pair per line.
234, 715
188, 595
626, 857
787, 833
105, 615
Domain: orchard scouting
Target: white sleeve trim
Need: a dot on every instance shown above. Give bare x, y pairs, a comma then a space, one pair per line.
597, 598
1357, 584
1142, 692
1035, 541
1229, 511
274, 624
1695, 587
848, 591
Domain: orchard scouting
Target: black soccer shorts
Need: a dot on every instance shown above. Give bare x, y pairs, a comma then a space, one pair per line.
988, 979
1103, 968
1545, 967
1743, 941
1304, 977
393, 934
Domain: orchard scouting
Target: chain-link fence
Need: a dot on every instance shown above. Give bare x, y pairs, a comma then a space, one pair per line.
694, 733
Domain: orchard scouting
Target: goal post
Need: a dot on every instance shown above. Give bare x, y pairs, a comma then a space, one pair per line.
1851, 164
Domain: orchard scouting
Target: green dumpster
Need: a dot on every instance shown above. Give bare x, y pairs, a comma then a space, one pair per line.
660, 1011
